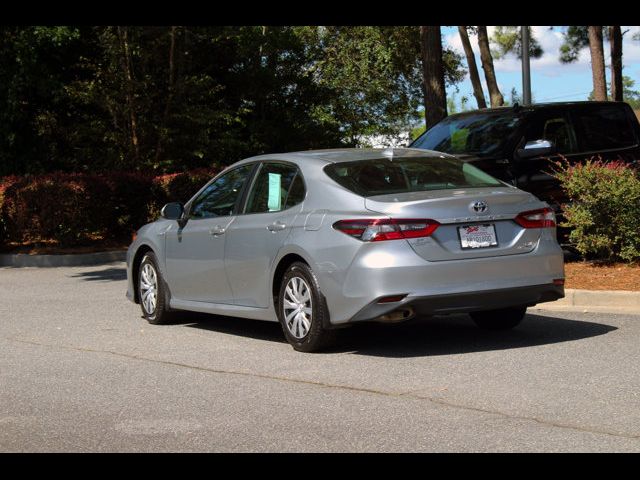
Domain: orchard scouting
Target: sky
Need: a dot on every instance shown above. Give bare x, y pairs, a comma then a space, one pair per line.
551, 81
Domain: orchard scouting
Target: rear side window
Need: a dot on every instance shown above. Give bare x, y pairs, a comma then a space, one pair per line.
384, 176
277, 186
604, 128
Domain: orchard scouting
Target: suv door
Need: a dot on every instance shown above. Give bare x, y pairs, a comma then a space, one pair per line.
195, 251
254, 238
534, 174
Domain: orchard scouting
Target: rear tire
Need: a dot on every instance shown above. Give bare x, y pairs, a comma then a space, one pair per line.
302, 310
501, 319
151, 291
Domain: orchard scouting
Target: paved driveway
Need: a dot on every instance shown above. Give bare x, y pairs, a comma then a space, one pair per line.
80, 370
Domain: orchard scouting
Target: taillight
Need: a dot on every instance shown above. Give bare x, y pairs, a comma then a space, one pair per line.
376, 230
541, 218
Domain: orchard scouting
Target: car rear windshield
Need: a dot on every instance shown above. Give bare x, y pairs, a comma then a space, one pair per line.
399, 175
481, 134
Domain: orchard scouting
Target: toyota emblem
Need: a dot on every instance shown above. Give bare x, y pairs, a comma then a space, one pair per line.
479, 207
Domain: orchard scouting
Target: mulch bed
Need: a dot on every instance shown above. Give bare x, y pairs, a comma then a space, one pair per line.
594, 276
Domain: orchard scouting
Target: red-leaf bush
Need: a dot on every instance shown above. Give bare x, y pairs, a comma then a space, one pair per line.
72, 209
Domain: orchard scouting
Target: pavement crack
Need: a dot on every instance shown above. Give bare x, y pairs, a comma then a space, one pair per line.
414, 395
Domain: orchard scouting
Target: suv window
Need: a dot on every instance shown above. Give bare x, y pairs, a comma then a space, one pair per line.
277, 186
220, 197
555, 128
400, 175
604, 127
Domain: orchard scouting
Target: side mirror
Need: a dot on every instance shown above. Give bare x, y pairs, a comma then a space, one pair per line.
172, 211
536, 148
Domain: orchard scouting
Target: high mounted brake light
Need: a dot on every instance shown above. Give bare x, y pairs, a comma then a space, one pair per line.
541, 218
376, 230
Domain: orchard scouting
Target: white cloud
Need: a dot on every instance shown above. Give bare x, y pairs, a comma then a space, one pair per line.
550, 41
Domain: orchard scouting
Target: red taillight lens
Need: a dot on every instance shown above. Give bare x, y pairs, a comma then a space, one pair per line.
376, 230
542, 218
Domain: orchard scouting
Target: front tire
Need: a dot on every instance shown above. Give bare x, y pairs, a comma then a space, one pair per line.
151, 291
302, 310
501, 319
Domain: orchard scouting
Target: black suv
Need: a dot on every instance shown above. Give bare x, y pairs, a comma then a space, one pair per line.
516, 144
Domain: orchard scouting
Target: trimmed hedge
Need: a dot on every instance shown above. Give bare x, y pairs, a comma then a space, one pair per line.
73, 209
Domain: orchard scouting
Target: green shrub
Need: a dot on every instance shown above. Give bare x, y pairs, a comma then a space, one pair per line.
603, 210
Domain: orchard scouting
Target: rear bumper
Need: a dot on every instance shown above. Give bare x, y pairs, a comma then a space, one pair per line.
440, 287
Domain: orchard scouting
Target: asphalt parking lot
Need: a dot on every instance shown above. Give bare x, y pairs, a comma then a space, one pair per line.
81, 371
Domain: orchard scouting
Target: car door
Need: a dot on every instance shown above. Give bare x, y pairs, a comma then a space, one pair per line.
195, 249
255, 237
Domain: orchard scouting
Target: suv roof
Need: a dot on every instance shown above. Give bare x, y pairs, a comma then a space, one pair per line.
534, 107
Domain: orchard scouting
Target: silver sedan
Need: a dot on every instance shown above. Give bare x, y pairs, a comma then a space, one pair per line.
318, 240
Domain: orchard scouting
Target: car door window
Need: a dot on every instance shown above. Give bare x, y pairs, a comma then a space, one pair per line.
277, 186
555, 128
604, 128
220, 197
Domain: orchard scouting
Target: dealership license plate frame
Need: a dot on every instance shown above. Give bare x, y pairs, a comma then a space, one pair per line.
488, 229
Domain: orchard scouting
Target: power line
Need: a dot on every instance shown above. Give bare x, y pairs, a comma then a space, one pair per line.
566, 95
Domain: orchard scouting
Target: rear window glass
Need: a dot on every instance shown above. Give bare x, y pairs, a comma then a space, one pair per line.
604, 128
386, 176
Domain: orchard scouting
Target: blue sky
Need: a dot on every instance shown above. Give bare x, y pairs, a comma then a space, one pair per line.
550, 79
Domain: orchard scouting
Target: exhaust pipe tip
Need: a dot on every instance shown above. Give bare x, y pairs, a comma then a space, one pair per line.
400, 315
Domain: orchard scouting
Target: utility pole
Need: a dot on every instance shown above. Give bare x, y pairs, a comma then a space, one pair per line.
526, 70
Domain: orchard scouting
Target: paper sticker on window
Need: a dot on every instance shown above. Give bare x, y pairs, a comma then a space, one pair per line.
273, 202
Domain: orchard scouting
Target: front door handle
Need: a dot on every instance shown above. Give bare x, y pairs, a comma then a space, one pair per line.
217, 230
276, 226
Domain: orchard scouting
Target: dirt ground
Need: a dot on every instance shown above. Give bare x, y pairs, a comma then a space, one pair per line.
590, 276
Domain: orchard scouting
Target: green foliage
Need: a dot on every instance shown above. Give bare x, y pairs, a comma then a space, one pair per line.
165, 99
575, 38
507, 39
629, 95
603, 210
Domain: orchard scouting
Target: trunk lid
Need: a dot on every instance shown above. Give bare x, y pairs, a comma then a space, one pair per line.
453, 209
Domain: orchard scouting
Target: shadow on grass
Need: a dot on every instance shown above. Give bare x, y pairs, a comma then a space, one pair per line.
445, 335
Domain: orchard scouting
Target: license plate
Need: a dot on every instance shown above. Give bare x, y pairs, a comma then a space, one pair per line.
477, 236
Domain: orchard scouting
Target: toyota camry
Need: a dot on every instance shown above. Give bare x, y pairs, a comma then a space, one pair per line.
319, 240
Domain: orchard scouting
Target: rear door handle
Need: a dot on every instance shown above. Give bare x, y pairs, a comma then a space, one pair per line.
217, 230
276, 226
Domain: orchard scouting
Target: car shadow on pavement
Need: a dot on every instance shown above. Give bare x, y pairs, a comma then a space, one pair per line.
242, 327
445, 335
456, 334
108, 274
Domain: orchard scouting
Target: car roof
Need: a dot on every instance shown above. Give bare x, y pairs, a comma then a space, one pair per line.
327, 156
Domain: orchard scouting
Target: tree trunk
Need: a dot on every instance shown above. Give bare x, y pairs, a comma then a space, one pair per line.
597, 63
473, 68
435, 97
165, 115
615, 39
126, 65
496, 97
